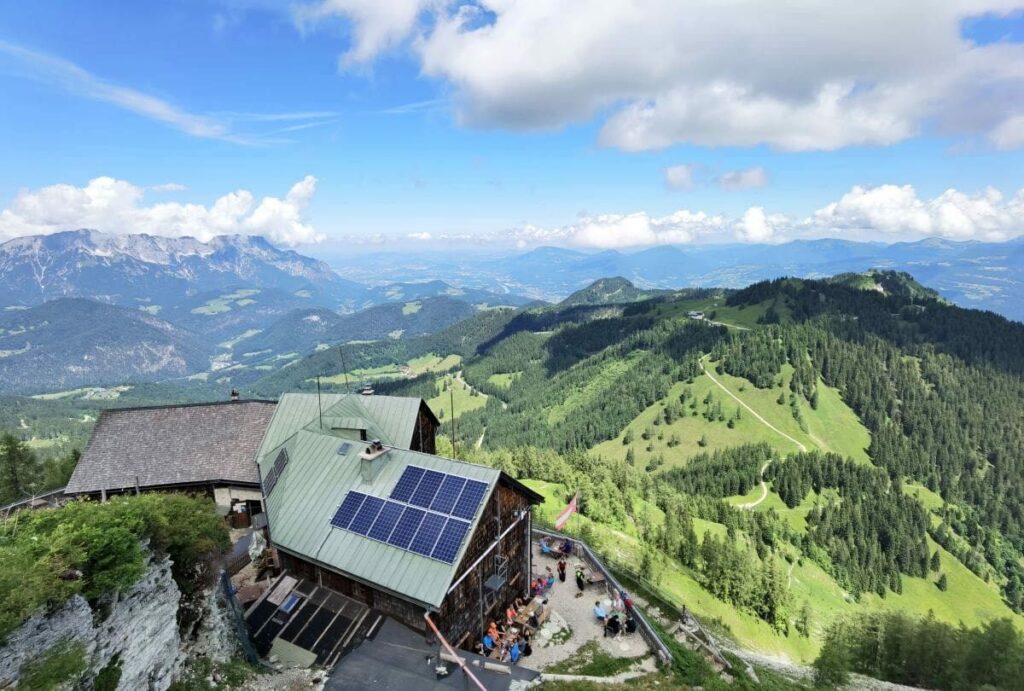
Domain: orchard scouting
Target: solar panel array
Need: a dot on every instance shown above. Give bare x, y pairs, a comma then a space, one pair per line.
275, 472
447, 494
427, 513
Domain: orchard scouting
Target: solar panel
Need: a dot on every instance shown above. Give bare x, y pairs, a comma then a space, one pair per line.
407, 526
386, 520
447, 547
281, 462
366, 515
396, 521
470, 499
344, 448
347, 511
407, 483
270, 481
448, 494
427, 488
426, 536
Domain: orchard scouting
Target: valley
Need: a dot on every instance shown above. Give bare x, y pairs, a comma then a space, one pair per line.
689, 421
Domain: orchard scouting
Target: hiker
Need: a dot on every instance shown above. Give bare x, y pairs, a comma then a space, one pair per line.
566, 548
551, 578
524, 644
488, 644
617, 603
511, 613
561, 569
630, 623
581, 580
599, 612
492, 631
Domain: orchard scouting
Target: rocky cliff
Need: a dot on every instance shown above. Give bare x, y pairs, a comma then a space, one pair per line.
137, 629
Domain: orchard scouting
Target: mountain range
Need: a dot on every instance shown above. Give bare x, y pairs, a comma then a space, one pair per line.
971, 274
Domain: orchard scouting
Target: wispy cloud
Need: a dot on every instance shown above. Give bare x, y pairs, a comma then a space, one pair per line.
416, 107
70, 78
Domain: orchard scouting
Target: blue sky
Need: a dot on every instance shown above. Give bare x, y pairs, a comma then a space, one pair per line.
422, 118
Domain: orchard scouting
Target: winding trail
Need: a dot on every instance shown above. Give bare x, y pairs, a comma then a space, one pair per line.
751, 410
764, 490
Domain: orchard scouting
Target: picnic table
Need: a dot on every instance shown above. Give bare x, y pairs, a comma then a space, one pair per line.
596, 578
536, 605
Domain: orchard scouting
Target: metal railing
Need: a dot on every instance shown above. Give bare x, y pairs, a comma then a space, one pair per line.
643, 626
238, 619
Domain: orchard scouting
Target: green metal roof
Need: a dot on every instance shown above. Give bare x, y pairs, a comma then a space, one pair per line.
317, 478
392, 419
300, 508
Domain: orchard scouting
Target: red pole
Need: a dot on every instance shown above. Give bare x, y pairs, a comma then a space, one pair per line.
451, 651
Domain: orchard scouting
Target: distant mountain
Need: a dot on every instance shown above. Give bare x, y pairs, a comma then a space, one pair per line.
610, 291
403, 292
72, 342
304, 331
898, 283
971, 274
158, 272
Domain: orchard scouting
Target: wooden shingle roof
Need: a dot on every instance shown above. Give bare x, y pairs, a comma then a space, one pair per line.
211, 443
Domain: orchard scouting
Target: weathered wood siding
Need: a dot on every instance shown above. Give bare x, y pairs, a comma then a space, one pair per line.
424, 437
464, 613
395, 607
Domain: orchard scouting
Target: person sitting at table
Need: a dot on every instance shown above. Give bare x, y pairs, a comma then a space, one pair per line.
511, 613
492, 630
566, 548
612, 626
519, 604
599, 612
524, 644
630, 623
514, 652
617, 604
488, 644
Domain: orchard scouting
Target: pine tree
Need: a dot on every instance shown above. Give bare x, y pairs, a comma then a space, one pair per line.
935, 562
942, 583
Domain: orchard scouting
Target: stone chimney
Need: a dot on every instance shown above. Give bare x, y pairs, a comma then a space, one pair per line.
371, 460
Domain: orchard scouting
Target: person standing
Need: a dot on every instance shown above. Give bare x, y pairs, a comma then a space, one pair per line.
561, 569
581, 580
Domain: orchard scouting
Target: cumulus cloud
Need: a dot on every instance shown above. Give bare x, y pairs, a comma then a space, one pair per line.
735, 180
757, 226
679, 177
709, 73
886, 212
618, 231
898, 212
115, 206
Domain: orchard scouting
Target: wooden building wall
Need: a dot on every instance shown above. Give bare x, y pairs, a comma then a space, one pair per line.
424, 437
464, 614
395, 607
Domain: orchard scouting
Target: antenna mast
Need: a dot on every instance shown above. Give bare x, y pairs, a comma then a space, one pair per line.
319, 406
344, 369
451, 397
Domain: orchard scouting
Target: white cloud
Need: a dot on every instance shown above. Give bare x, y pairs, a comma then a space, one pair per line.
757, 226
708, 73
168, 187
423, 237
617, 231
1009, 134
679, 177
735, 180
376, 25
896, 212
69, 77
115, 206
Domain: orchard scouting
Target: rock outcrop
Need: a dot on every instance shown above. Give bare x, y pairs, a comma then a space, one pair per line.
138, 626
